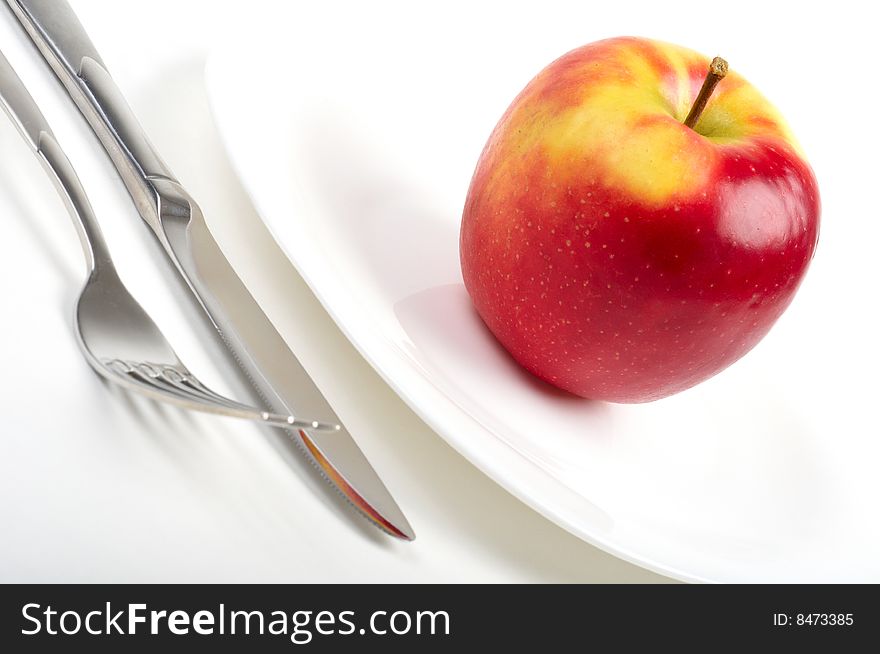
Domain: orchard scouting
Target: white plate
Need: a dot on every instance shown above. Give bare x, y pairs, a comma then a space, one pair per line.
357, 146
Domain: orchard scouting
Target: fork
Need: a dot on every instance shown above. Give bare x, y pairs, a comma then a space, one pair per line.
118, 338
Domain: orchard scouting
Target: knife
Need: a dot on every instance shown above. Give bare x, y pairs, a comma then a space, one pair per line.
177, 222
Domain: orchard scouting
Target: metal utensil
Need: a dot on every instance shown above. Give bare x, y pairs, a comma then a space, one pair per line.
178, 223
119, 340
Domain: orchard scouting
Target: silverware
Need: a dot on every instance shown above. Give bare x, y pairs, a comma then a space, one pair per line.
119, 340
178, 223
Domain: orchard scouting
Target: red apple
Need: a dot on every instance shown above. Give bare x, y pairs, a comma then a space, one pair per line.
617, 252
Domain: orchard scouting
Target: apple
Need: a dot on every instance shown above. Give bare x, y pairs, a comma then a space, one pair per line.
637, 221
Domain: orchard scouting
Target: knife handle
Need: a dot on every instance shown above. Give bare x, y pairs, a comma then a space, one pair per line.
59, 36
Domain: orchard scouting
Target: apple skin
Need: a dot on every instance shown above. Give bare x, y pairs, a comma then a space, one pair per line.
615, 252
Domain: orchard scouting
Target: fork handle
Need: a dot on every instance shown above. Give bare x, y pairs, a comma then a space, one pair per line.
59, 36
27, 117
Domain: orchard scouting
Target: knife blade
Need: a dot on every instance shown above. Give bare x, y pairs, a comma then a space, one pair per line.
179, 225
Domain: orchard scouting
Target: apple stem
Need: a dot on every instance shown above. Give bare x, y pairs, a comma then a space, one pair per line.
717, 72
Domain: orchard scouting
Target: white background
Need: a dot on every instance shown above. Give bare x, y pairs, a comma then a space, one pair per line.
101, 487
